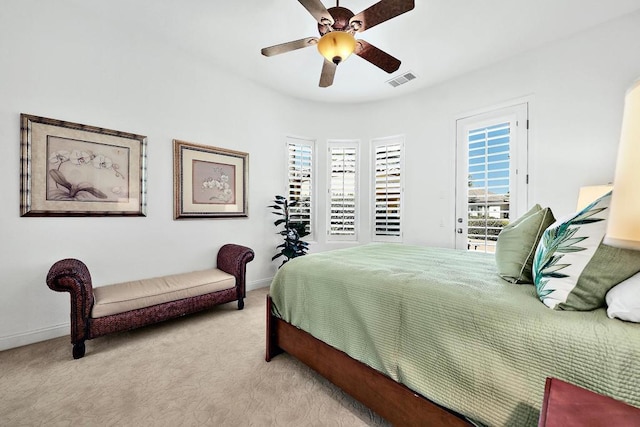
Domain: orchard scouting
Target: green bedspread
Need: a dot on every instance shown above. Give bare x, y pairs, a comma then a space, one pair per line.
443, 323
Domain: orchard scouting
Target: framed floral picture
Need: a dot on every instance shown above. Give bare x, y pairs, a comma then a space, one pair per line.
69, 169
209, 182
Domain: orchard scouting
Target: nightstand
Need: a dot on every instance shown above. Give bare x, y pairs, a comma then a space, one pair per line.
567, 405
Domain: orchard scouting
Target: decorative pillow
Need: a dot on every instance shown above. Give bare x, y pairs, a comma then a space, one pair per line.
517, 244
572, 269
623, 300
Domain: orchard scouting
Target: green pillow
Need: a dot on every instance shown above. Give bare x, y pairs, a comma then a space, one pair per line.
608, 267
572, 269
517, 244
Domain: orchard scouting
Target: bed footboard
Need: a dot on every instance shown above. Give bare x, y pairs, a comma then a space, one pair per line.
389, 399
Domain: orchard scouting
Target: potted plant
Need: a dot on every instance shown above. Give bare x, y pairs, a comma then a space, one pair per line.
293, 231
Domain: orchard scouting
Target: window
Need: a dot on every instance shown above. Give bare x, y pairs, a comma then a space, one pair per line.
488, 193
388, 162
300, 180
342, 191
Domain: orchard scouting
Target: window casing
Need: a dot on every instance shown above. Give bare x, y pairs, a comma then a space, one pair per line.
388, 188
300, 177
342, 192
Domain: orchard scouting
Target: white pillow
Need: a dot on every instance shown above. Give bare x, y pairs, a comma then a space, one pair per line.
566, 248
572, 269
623, 300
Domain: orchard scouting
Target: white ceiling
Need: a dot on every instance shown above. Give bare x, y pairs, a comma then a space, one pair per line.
437, 40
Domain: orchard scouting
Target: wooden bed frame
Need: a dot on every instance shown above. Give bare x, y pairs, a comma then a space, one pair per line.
393, 401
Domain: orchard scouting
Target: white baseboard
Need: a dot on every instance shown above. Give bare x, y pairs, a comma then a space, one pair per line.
257, 284
31, 337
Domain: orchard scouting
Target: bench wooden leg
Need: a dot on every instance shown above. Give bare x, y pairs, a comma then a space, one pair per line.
78, 350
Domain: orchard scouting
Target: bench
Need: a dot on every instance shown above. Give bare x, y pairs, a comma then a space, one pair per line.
124, 306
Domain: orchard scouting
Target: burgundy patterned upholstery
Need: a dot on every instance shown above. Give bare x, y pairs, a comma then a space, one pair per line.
72, 275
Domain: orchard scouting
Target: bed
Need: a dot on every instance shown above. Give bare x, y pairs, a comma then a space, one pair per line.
433, 336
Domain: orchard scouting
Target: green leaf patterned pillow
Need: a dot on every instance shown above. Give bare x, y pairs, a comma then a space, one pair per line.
517, 244
572, 269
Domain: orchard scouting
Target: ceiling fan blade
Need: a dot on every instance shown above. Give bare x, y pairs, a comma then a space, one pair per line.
380, 12
289, 46
377, 57
328, 73
318, 11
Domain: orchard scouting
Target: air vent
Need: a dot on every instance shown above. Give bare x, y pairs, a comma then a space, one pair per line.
400, 80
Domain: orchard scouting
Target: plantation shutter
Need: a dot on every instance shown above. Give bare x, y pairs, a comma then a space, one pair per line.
388, 189
343, 179
489, 184
300, 180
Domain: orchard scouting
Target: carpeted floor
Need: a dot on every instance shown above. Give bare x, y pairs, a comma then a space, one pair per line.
205, 369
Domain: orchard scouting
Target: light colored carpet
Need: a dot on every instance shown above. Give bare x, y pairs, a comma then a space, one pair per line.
204, 369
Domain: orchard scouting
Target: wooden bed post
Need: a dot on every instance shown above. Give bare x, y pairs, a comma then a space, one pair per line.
272, 349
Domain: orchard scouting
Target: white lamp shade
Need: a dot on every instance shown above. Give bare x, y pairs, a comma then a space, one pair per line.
590, 194
336, 46
623, 229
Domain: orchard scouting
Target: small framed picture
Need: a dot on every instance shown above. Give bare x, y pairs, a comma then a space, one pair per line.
69, 169
209, 182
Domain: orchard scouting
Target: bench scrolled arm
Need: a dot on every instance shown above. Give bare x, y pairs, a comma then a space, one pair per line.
72, 275
233, 259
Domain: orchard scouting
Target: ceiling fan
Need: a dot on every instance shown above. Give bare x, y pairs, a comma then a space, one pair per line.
337, 27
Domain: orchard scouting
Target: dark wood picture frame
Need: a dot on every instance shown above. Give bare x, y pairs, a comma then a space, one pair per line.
70, 169
209, 182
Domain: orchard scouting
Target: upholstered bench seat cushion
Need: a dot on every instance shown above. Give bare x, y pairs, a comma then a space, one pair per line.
126, 296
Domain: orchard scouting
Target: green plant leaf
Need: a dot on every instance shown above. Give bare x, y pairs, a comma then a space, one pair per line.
544, 293
570, 249
554, 268
571, 241
292, 246
556, 275
289, 253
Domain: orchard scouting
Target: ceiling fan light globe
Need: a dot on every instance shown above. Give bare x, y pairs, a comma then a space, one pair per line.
336, 46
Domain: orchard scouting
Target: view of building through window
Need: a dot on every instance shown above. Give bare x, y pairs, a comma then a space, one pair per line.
343, 168
342, 187
299, 177
388, 189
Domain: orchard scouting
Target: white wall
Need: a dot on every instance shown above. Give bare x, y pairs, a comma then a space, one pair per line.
57, 62
576, 90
